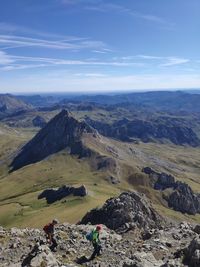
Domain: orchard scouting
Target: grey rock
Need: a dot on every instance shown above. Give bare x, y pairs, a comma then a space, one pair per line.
182, 198
123, 212
197, 229
192, 253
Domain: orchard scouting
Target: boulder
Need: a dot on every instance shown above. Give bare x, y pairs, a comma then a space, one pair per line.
197, 229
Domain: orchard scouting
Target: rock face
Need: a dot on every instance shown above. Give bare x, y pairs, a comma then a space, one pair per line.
39, 121
181, 198
63, 131
147, 131
125, 212
52, 195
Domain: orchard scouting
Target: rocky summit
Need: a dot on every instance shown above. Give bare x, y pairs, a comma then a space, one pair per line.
63, 131
129, 210
172, 246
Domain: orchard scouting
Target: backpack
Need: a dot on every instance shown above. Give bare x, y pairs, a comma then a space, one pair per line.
46, 228
89, 236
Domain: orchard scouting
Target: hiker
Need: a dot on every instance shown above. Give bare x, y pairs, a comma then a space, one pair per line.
49, 231
96, 242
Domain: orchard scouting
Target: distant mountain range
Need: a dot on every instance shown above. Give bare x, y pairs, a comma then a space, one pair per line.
158, 100
149, 116
10, 103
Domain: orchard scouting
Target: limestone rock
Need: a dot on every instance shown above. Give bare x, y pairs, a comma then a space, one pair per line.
124, 212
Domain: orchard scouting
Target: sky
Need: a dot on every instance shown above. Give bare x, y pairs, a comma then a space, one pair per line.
99, 45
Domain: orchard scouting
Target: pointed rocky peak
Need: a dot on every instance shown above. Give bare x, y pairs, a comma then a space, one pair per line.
63, 131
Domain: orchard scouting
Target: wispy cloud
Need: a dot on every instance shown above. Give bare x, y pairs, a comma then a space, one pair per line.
165, 61
14, 29
90, 75
105, 6
172, 61
5, 59
75, 43
12, 62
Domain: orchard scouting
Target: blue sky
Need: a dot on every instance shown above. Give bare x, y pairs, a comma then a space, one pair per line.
99, 45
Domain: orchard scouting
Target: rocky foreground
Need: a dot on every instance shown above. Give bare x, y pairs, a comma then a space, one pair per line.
134, 235
171, 246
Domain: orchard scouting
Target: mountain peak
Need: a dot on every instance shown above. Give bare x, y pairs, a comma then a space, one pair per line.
63, 131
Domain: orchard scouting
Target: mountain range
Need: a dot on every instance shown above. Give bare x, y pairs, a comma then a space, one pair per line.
104, 147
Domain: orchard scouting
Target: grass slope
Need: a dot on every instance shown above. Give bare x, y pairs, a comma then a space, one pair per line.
20, 207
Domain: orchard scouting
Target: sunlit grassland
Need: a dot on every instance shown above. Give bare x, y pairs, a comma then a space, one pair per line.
19, 190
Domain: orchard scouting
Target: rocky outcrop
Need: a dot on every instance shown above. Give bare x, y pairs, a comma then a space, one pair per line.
129, 210
183, 199
39, 121
53, 195
126, 130
192, 253
160, 181
62, 132
180, 198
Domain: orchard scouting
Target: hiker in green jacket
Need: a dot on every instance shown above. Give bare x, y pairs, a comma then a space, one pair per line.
96, 242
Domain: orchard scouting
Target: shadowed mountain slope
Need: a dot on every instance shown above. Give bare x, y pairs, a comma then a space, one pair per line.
63, 131
147, 131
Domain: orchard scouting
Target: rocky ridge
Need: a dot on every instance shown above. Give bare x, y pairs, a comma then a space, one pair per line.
180, 197
172, 246
147, 131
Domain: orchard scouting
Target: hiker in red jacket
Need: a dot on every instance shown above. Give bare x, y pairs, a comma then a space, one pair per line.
49, 231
